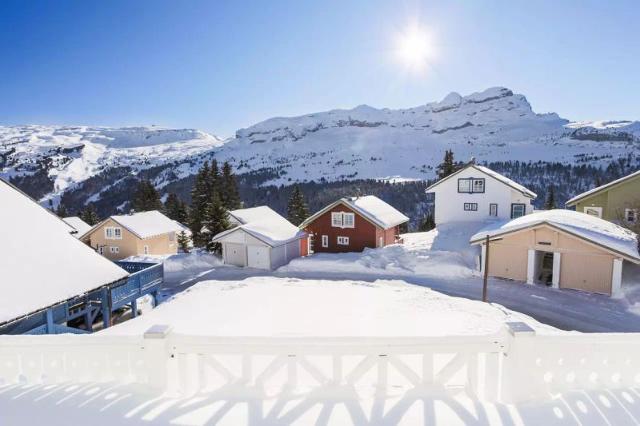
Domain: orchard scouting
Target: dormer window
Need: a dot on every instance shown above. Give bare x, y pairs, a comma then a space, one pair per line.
471, 185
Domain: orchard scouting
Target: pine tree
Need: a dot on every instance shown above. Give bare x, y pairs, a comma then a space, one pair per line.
229, 188
200, 197
550, 202
183, 241
146, 198
297, 210
448, 165
61, 211
90, 215
216, 221
175, 208
428, 223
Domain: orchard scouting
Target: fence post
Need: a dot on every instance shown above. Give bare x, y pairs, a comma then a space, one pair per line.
157, 356
515, 384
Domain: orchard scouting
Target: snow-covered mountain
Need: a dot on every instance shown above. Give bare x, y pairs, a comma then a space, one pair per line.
68, 155
366, 142
363, 142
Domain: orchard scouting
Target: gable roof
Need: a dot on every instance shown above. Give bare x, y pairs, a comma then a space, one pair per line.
264, 224
41, 263
143, 224
370, 207
600, 188
487, 171
589, 228
78, 224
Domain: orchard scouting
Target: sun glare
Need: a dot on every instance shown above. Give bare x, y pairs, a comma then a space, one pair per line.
414, 48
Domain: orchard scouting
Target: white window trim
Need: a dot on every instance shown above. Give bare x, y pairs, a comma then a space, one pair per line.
113, 230
145, 249
325, 241
632, 211
114, 249
342, 241
338, 219
101, 249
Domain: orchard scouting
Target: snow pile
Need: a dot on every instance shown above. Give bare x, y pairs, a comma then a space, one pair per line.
264, 224
40, 261
586, 226
442, 253
148, 224
268, 306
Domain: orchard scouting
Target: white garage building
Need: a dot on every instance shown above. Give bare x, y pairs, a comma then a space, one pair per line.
261, 239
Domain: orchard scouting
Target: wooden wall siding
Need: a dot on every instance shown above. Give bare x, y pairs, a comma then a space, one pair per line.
588, 272
614, 200
363, 235
508, 261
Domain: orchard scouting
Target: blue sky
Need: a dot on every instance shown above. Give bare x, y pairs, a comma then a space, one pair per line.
220, 66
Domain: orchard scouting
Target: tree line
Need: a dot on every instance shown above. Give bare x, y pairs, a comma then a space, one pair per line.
213, 194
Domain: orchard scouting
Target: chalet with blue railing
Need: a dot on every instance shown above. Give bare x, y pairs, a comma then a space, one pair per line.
53, 283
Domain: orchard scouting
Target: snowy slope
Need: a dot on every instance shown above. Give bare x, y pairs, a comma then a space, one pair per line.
366, 142
363, 142
72, 154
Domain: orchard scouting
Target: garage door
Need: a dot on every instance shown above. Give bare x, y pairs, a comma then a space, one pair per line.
235, 254
258, 257
586, 272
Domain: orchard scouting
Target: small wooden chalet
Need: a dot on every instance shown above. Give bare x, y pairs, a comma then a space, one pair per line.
144, 233
353, 224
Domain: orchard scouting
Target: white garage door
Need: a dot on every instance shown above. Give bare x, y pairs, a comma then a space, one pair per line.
258, 257
234, 254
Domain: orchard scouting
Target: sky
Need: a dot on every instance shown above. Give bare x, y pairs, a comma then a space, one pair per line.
219, 66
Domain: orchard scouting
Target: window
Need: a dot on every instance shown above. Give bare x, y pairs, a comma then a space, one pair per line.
471, 185
342, 220
517, 210
325, 241
146, 249
114, 249
470, 207
101, 249
493, 209
343, 241
593, 211
113, 233
172, 236
631, 215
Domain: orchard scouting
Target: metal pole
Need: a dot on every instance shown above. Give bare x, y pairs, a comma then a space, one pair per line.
486, 269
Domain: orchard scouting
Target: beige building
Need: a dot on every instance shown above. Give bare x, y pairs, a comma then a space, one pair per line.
144, 233
559, 248
617, 201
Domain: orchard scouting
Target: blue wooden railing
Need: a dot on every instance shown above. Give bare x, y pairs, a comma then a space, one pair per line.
145, 278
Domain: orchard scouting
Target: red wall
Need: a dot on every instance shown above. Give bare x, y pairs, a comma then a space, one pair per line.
363, 235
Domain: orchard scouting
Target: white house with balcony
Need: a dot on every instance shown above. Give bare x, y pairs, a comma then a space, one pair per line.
476, 193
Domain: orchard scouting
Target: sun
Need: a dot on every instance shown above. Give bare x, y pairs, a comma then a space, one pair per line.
414, 48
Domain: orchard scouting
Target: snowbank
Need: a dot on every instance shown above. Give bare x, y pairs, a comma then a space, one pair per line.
269, 306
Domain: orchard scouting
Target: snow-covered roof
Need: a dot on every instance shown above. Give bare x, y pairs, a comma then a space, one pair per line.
585, 194
501, 178
370, 207
78, 224
265, 225
593, 229
41, 263
146, 224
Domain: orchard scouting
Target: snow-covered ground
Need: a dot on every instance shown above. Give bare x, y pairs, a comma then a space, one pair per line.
271, 306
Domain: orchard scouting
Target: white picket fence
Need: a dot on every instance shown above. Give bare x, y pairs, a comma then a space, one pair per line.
511, 366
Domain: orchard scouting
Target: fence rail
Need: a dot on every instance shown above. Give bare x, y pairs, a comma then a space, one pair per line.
509, 366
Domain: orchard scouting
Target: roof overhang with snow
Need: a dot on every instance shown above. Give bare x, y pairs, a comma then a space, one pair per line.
575, 200
498, 232
351, 203
143, 224
488, 172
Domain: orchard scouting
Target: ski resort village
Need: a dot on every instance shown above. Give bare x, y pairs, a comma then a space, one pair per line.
203, 223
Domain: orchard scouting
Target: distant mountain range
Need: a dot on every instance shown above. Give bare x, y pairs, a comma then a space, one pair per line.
495, 125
